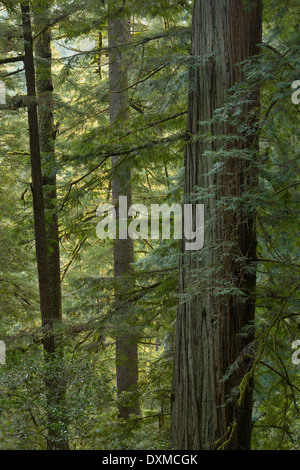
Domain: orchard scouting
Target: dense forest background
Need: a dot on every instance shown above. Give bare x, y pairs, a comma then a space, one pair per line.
92, 367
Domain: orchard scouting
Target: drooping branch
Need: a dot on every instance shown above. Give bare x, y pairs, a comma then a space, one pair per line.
128, 151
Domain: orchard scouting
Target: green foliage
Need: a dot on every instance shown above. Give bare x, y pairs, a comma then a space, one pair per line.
152, 144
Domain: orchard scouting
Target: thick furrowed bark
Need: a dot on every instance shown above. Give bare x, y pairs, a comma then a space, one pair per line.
222, 303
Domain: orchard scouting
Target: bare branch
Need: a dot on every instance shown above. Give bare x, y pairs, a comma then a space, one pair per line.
9, 60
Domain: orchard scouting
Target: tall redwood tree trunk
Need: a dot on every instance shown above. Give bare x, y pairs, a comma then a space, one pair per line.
217, 284
126, 339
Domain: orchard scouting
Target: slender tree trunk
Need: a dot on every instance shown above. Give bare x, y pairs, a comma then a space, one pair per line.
37, 182
47, 137
126, 341
219, 281
56, 386
46, 226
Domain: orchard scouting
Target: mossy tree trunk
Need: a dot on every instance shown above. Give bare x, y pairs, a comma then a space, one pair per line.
43, 167
55, 384
126, 337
